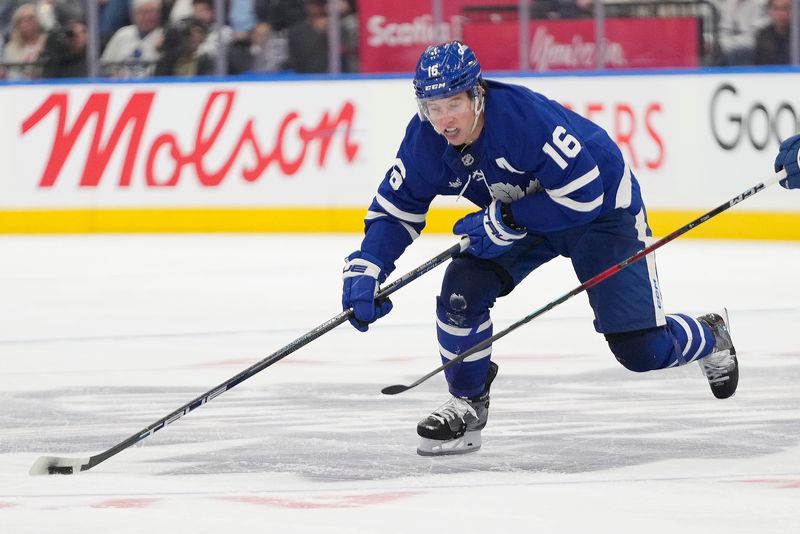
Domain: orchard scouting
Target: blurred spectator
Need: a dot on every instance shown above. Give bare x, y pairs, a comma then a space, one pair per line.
739, 21
25, 44
203, 11
242, 20
137, 43
308, 39
179, 10
270, 43
113, 15
240, 54
180, 53
279, 14
349, 27
270, 49
65, 52
7, 9
55, 13
772, 42
241, 17
51, 13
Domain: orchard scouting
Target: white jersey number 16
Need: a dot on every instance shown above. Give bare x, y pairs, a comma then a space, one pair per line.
565, 145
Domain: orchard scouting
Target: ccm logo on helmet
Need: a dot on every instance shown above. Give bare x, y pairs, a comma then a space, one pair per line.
434, 86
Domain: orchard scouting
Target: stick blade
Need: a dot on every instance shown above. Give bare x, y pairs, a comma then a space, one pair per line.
55, 465
395, 389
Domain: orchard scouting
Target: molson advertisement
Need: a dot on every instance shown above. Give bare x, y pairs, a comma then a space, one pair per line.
239, 156
308, 155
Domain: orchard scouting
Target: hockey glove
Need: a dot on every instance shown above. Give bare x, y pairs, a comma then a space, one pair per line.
789, 159
361, 273
491, 232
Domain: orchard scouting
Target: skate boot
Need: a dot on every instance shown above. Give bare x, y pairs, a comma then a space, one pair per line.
721, 366
455, 426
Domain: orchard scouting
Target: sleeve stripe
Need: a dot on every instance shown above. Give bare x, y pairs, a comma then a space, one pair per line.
410, 229
374, 215
624, 190
575, 184
394, 211
578, 206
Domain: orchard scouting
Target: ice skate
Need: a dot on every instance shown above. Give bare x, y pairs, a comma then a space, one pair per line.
721, 366
455, 426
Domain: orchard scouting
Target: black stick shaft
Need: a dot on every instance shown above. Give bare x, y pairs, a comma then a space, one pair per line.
611, 271
276, 356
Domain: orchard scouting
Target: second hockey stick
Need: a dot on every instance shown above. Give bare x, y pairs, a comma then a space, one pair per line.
611, 271
51, 465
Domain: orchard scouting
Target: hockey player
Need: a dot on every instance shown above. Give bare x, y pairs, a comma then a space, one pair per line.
549, 182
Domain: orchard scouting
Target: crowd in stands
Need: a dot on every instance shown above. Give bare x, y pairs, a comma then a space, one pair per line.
755, 32
138, 38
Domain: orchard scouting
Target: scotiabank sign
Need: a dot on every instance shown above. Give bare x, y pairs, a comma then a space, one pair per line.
393, 34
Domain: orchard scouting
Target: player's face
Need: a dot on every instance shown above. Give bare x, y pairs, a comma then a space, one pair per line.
453, 118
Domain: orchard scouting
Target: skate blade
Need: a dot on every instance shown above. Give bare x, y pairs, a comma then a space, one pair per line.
469, 442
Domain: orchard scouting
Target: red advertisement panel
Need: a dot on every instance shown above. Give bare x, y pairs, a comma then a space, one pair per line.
393, 34
570, 44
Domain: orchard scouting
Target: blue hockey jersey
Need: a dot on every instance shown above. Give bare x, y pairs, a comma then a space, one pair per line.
557, 169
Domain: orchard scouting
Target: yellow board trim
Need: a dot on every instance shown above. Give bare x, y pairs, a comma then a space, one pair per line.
730, 225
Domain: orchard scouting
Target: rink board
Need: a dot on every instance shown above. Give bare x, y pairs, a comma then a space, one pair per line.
277, 155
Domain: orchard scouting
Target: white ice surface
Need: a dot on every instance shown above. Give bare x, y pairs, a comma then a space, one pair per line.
102, 335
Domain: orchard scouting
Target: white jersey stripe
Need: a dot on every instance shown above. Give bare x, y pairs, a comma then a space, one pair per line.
678, 319
413, 233
462, 332
652, 272
702, 340
477, 356
372, 215
575, 184
578, 206
394, 211
625, 190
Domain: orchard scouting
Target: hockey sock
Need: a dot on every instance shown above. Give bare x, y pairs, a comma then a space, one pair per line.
468, 378
694, 338
683, 340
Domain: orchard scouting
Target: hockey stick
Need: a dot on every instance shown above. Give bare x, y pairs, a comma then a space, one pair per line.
611, 271
67, 466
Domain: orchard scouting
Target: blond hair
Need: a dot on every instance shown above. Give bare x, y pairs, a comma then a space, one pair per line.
15, 36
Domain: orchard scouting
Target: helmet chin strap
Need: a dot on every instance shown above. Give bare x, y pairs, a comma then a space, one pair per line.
479, 104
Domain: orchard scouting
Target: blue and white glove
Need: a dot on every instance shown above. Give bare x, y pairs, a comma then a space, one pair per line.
361, 273
491, 232
789, 159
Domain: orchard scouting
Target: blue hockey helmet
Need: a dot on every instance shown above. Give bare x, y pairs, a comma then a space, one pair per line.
446, 70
